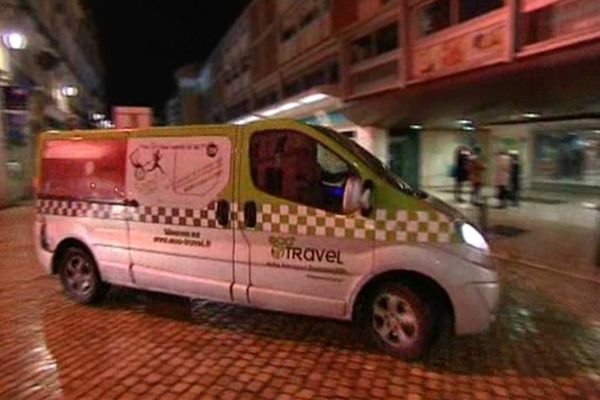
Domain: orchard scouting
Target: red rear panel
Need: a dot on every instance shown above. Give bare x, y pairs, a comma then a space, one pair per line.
92, 170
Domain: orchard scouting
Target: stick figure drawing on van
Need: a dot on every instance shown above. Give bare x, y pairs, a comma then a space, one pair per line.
141, 167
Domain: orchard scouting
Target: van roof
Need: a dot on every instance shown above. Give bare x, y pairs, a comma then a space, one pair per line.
180, 130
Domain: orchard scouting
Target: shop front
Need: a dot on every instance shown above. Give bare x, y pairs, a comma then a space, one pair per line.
567, 158
17, 163
561, 156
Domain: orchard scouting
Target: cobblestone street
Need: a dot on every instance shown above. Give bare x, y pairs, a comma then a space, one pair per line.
545, 344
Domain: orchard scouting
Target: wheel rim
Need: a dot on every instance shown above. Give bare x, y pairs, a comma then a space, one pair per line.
394, 320
78, 275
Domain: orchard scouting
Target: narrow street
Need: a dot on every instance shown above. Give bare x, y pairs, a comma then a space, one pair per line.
545, 344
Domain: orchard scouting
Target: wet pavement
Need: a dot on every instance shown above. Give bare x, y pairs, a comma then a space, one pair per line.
562, 236
545, 344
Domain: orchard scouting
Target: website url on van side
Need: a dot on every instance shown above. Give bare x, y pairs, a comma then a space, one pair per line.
182, 242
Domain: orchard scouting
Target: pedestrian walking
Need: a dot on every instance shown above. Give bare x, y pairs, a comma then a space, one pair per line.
461, 173
502, 177
476, 169
515, 178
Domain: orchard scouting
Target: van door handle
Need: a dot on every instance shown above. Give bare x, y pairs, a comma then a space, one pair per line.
250, 214
223, 212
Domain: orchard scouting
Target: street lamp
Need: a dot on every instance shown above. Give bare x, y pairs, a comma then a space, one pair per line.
69, 91
14, 40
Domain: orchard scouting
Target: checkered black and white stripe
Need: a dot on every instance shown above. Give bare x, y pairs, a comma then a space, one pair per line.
302, 220
204, 218
412, 226
400, 226
70, 208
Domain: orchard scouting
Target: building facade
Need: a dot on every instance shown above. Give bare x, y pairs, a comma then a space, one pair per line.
412, 80
51, 78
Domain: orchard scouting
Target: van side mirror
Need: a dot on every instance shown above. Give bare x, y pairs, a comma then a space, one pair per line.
357, 196
365, 200
352, 195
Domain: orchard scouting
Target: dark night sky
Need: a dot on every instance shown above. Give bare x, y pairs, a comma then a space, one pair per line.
142, 42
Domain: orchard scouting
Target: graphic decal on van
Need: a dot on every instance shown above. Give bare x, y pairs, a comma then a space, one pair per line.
201, 180
178, 171
143, 167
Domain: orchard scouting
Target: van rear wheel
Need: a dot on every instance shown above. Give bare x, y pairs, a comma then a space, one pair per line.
399, 321
80, 277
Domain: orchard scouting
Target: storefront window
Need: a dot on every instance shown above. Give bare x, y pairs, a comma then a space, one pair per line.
568, 157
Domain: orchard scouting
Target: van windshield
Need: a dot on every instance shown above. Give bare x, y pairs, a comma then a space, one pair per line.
363, 155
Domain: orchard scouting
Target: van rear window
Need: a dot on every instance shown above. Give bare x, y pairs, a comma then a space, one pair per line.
92, 170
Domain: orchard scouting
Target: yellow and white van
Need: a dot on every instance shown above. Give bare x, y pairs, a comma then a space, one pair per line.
275, 214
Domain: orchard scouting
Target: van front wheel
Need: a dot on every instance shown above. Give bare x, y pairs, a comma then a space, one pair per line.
399, 321
79, 276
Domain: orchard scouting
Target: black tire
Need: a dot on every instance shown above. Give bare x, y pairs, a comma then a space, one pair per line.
80, 277
404, 315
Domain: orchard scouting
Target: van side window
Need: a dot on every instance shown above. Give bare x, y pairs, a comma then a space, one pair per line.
294, 166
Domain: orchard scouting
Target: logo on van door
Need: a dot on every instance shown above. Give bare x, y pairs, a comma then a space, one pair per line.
280, 244
283, 247
212, 150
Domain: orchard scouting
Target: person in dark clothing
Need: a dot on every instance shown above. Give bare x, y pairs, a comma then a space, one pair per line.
502, 178
476, 170
461, 172
515, 178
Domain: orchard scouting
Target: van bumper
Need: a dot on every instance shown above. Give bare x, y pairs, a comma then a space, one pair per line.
44, 256
476, 307
475, 291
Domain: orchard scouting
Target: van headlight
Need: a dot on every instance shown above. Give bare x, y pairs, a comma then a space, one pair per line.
471, 236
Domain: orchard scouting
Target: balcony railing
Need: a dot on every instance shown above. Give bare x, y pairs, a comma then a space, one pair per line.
468, 45
375, 74
440, 41
549, 24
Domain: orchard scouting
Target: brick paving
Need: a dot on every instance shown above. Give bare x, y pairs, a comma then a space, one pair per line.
545, 345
